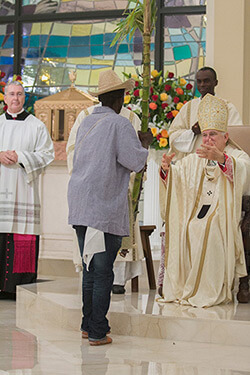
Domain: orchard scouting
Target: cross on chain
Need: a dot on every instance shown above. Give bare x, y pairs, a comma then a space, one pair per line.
6, 192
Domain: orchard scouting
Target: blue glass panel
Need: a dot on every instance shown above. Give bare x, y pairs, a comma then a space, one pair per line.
82, 51
58, 41
96, 50
109, 50
56, 52
182, 52
123, 48
33, 53
177, 38
109, 37
25, 41
97, 39
188, 37
9, 42
43, 40
34, 40
5, 60
79, 40
194, 49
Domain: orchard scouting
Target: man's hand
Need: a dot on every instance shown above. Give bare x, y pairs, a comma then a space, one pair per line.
196, 128
165, 161
146, 138
210, 152
8, 157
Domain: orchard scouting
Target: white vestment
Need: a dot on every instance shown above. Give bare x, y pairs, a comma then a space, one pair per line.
19, 196
203, 255
181, 137
130, 266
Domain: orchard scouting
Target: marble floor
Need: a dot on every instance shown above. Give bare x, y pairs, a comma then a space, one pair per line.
33, 344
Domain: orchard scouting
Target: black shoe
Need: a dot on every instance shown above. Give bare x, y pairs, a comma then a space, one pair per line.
118, 289
7, 295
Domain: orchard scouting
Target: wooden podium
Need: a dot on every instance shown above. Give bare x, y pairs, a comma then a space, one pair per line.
146, 231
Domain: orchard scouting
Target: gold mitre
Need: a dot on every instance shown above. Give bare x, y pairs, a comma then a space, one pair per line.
213, 114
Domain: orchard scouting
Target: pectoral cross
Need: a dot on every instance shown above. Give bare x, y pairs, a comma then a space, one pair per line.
6, 192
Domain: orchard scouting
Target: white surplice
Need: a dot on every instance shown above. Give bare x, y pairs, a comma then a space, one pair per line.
19, 195
203, 255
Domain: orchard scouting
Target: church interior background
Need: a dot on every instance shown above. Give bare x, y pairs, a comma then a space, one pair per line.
39, 333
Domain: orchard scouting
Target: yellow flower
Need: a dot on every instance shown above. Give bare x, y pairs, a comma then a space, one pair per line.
163, 142
154, 73
154, 131
182, 81
179, 105
163, 97
1, 96
135, 76
127, 99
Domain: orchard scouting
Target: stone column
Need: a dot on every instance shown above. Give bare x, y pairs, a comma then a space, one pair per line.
228, 51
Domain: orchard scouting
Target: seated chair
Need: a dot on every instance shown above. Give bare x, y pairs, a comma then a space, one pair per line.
241, 135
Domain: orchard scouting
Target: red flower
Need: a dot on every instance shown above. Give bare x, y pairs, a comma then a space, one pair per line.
18, 78
158, 136
136, 83
127, 93
185, 101
164, 105
136, 92
176, 99
169, 115
154, 97
189, 86
170, 75
5, 108
167, 88
2, 75
151, 90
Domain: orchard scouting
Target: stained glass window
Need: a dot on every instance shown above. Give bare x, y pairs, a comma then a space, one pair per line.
62, 6
7, 44
184, 44
172, 3
51, 50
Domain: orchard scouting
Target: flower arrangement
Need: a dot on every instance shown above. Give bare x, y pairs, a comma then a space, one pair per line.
167, 95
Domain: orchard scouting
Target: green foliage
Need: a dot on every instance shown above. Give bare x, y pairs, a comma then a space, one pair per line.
134, 20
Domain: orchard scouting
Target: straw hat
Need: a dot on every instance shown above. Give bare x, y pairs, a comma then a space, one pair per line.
213, 113
109, 81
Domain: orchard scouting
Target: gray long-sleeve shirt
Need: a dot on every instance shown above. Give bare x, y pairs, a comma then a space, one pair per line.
103, 160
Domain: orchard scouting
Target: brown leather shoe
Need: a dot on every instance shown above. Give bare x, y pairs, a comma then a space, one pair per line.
85, 334
105, 341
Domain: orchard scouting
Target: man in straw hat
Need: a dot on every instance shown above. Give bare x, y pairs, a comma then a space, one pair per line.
107, 149
130, 266
202, 196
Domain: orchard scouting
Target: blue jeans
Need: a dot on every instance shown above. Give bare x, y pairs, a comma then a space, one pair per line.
97, 285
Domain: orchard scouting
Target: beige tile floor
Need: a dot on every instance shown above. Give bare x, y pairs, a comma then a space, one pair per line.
45, 349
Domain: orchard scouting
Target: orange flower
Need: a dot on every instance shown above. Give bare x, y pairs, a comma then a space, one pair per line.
179, 91
163, 142
175, 113
154, 131
2, 83
164, 133
153, 106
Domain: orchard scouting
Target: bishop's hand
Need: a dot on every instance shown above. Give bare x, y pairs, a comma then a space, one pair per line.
211, 152
166, 161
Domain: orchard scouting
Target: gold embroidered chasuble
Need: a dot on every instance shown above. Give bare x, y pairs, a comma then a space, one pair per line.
203, 255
